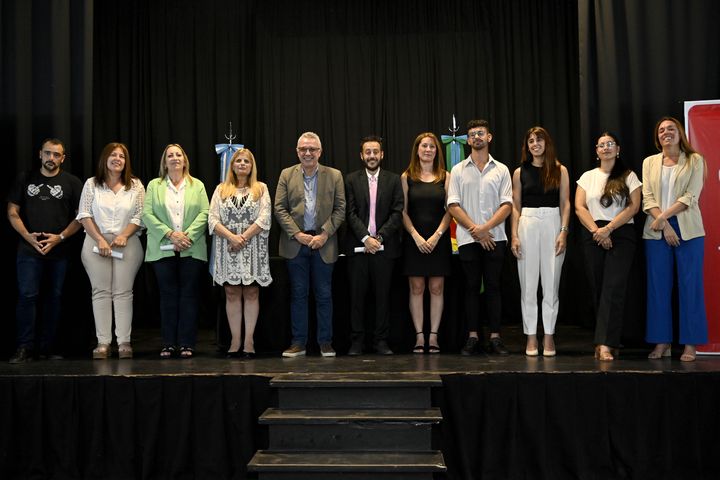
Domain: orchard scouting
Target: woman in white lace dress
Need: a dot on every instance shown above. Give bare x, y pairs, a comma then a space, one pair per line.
239, 219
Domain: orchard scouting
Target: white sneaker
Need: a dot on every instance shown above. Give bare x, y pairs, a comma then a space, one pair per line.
326, 350
294, 351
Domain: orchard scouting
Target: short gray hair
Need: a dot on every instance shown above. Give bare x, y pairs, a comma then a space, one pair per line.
312, 135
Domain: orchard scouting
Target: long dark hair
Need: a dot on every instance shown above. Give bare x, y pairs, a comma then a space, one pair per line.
550, 174
413, 171
101, 173
616, 187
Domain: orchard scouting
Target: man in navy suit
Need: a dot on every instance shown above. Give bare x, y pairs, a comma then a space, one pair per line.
374, 218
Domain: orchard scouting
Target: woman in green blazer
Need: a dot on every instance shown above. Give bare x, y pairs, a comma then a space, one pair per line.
175, 214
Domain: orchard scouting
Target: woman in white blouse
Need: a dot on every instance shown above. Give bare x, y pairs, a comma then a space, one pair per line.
606, 200
674, 240
239, 218
110, 210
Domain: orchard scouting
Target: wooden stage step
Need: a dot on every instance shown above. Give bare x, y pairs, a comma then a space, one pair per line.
354, 390
351, 426
286, 416
355, 465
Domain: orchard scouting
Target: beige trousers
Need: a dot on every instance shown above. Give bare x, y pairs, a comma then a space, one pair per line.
112, 282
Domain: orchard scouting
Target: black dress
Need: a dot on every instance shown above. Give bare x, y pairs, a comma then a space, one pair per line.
426, 207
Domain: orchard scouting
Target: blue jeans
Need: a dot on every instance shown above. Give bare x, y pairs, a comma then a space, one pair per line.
31, 271
179, 285
687, 258
308, 266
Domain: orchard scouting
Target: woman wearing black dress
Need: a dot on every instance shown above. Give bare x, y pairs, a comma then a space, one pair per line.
427, 240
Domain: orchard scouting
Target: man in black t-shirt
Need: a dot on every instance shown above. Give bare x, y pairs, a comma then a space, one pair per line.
41, 207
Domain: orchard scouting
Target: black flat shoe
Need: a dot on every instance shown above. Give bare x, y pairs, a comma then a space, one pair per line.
248, 355
186, 352
167, 352
235, 354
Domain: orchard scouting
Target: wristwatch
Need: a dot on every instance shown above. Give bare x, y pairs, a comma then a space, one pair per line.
62, 237
379, 238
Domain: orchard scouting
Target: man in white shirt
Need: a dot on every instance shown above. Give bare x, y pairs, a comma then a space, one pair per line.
480, 199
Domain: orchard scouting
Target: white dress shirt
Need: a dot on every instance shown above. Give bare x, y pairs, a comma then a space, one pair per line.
111, 211
480, 194
175, 203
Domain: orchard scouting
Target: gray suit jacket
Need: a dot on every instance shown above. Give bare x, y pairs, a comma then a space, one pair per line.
329, 209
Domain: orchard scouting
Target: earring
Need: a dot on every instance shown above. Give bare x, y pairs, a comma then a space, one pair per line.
618, 155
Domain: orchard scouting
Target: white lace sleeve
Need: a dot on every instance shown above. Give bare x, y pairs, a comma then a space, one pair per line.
136, 217
264, 220
86, 199
214, 212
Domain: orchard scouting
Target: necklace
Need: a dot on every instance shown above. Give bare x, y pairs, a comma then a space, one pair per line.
669, 161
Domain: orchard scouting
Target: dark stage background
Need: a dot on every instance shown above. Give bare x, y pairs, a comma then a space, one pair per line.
149, 73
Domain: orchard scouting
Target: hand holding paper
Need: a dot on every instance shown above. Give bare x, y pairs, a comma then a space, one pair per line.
113, 253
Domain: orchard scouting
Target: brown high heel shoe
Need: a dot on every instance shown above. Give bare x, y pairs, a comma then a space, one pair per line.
661, 350
689, 354
549, 350
125, 350
604, 354
101, 352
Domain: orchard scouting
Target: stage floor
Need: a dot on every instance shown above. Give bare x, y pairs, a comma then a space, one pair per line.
574, 346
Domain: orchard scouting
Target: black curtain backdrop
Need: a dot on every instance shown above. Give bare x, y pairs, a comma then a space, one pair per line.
181, 70
151, 73
125, 427
569, 426
639, 61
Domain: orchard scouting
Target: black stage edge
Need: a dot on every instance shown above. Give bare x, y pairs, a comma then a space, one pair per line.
568, 417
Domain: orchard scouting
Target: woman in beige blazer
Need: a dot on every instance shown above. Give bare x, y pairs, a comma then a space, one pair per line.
674, 239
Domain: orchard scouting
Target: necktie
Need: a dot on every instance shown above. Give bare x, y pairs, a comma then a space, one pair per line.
372, 228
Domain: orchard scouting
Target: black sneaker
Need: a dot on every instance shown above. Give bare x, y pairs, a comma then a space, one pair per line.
46, 354
497, 346
22, 355
355, 349
382, 348
470, 347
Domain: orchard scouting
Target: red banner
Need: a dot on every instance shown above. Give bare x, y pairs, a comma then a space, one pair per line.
702, 121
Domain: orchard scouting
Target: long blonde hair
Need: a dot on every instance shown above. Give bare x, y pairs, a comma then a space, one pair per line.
229, 186
186, 163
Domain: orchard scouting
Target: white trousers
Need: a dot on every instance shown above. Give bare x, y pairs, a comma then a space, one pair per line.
112, 282
538, 229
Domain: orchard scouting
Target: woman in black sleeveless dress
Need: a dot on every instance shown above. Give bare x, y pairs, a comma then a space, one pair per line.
427, 247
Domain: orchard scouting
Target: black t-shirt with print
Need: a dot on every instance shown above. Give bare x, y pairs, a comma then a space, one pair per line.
47, 204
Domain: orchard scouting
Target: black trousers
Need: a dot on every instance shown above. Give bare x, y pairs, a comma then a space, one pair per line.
373, 273
609, 271
483, 267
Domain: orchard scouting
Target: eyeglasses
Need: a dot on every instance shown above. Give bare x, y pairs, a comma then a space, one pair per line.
606, 144
308, 149
478, 134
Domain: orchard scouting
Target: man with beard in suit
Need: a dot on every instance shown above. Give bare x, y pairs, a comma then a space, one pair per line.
374, 217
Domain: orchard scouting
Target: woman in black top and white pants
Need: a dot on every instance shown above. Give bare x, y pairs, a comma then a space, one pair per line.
541, 212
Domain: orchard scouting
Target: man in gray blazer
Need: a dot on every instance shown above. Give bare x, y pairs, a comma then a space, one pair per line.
310, 207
